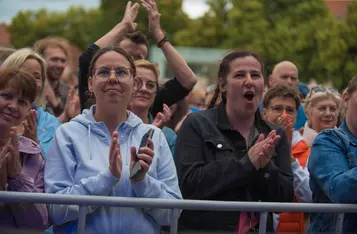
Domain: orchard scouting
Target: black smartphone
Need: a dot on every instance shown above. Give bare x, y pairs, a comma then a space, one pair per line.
144, 142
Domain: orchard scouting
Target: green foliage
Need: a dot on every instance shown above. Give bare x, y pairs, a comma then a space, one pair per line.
208, 31
77, 25
303, 31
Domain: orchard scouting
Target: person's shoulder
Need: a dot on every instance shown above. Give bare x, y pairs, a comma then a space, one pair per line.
72, 129
330, 137
28, 146
169, 133
204, 115
47, 119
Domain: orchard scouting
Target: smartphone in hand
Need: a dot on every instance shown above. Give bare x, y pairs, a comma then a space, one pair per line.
144, 141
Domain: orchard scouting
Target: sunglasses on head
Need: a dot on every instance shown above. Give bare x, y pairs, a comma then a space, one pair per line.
319, 89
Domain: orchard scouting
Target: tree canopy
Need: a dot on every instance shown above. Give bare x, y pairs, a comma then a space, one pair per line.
302, 31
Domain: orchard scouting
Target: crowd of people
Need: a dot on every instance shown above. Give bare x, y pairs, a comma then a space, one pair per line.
241, 139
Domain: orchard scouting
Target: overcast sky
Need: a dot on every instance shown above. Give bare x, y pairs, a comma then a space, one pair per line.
9, 8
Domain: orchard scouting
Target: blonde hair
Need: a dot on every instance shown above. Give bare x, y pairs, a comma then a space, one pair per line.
18, 58
151, 66
313, 98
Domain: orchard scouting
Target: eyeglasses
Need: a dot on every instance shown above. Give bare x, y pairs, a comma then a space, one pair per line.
319, 89
151, 86
121, 73
278, 109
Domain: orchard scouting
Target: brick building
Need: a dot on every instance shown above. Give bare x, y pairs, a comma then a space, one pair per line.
338, 7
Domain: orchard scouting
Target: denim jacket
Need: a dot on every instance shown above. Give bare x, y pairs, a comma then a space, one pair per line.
333, 171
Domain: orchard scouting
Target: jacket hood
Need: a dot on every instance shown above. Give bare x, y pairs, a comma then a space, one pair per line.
99, 128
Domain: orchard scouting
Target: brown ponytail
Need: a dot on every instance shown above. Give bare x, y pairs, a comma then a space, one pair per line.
214, 98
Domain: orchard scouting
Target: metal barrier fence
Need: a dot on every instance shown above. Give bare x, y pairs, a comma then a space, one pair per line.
177, 205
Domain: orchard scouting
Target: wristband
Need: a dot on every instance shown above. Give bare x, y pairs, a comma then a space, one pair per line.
162, 42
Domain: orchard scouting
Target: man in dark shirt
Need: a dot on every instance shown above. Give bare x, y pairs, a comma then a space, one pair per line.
137, 46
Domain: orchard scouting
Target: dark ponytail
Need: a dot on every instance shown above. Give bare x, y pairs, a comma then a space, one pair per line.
213, 101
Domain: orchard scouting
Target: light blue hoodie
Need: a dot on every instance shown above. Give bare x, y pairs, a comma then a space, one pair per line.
78, 162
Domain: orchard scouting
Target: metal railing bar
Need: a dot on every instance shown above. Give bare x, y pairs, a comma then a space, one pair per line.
82, 220
339, 222
175, 213
263, 222
42, 198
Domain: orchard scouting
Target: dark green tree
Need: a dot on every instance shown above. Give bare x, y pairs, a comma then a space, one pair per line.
77, 25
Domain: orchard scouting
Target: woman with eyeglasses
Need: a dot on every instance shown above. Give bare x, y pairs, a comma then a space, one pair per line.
98, 151
147, 86
333, 159
281, 103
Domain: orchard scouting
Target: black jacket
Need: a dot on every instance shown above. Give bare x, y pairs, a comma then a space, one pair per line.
212, 164
170, 93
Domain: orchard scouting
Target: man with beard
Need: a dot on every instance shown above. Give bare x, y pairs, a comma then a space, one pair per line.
54, 51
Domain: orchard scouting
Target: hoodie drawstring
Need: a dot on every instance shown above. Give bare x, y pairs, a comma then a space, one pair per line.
89, 139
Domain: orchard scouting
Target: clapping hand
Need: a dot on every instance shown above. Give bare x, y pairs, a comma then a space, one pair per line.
131, 12
286, 122
13, 159
154, 19
115, 159
261, 152
162, 117
30, 126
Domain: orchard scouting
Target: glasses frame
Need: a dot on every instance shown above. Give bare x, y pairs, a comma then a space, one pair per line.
112, 70
142, 82
284, 108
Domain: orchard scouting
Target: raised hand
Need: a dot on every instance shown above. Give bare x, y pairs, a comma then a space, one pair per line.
255, 152
115, 159
162, 117
261, 152
131, 12
286, 122
144, 158
30, 126
73, 107
159, 120
50, 95
268, 148
154, 19
13, 161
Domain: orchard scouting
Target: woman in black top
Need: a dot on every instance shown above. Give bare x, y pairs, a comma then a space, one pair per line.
229, 153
